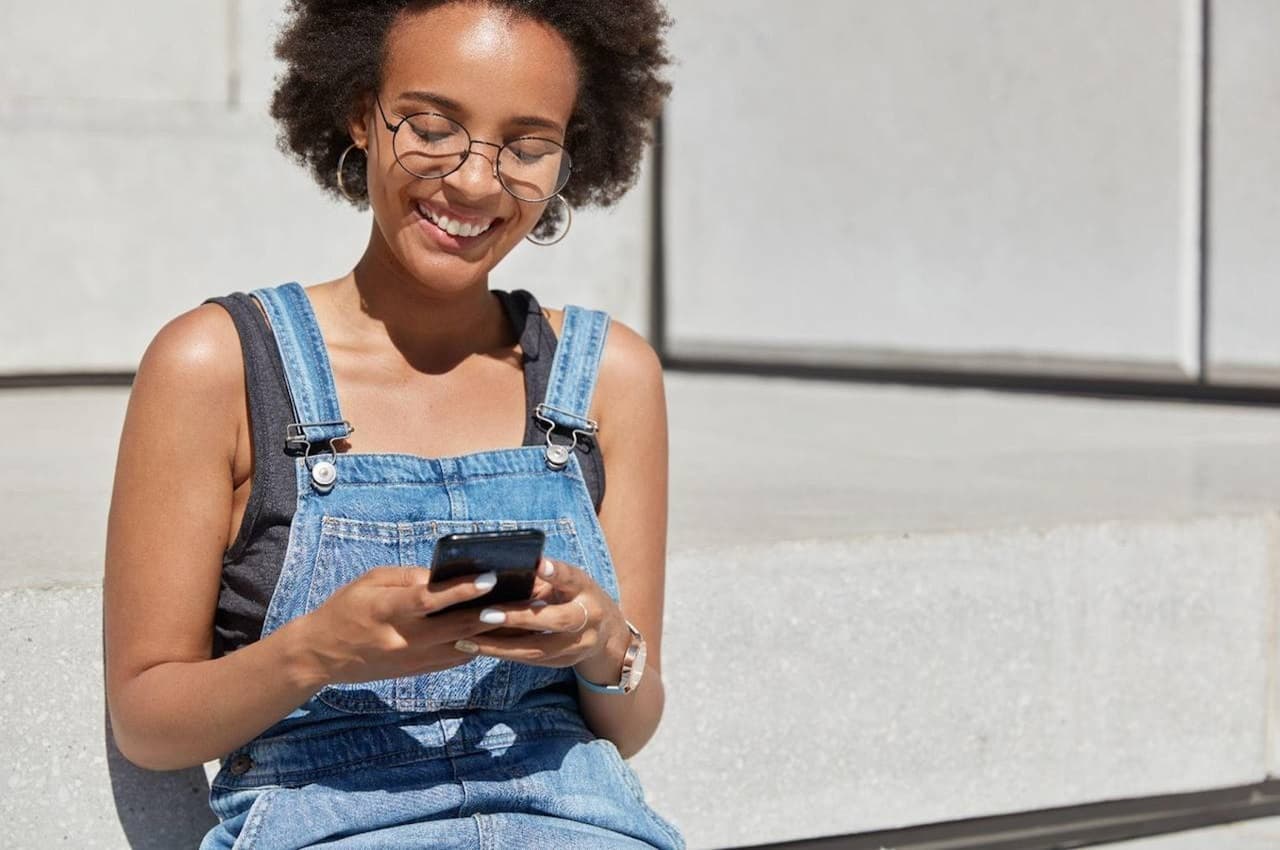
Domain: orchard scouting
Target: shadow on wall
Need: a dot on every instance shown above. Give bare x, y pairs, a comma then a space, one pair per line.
158, 809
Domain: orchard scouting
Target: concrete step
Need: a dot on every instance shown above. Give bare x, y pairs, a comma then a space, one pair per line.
886, 606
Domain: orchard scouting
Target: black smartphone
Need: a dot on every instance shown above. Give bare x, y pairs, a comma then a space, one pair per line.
514, 554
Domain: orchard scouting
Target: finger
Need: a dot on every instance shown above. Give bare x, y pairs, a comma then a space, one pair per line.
445, 628
543, 590
539, 616
397, 576
563, 576
419, 600
546, 650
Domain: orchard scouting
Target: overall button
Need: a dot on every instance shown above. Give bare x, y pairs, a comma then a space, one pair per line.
240, 764
557, 455
324, 473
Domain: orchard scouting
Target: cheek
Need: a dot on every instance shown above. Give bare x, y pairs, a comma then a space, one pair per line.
388, 193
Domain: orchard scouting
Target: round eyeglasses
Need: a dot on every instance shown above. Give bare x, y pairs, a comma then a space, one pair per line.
427, 144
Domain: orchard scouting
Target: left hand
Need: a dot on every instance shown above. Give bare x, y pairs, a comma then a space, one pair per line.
571, 622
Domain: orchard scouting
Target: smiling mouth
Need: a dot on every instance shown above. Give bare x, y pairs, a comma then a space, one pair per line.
455, 228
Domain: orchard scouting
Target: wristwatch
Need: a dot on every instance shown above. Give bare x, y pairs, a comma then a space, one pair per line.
632, 667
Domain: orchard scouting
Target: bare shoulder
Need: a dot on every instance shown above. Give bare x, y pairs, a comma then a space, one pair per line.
194, 358
188, 394
630, 373
629, 367
203, 337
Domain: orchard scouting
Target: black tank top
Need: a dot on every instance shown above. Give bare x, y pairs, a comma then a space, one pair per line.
252, 563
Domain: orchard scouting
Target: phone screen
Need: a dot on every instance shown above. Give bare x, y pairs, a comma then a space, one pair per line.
513, 554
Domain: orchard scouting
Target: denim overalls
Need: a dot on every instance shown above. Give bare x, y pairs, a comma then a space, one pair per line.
488, 754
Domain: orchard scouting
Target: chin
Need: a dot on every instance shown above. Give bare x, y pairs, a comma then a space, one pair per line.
442, 269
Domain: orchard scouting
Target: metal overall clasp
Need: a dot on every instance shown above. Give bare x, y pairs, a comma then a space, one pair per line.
557, 453
323, 472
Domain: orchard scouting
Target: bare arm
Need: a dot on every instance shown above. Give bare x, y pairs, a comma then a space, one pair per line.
633, 441
171, 705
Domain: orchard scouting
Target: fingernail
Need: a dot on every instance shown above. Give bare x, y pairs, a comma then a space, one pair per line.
547, 569
492, 615
465, 646
486, 581
538, 603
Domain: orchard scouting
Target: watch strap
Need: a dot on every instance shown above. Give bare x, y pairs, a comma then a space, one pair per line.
627, 660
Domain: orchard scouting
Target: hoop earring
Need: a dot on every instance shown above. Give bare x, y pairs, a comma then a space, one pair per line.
342, 158
568, 212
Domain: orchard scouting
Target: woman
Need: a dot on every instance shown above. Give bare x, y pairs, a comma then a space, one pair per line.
266, 585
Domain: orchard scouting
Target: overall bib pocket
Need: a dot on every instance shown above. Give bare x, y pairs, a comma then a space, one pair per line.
349, 547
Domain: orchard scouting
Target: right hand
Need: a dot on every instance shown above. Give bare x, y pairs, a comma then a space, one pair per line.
375, 627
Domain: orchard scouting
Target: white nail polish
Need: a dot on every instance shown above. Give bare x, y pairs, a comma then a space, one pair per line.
548, 568
492, 616
486, 581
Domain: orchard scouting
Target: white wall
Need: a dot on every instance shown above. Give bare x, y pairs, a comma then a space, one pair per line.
970, 184
1244, 254
142, 177
987, 178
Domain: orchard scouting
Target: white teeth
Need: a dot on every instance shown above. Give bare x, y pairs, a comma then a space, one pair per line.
454, 228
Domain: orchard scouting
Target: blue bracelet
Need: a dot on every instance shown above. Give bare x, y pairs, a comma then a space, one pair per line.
600, 689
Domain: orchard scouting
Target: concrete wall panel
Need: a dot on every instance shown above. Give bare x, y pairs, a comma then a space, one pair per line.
118, 226
150, 51
993, 178
123, 226
1244, 303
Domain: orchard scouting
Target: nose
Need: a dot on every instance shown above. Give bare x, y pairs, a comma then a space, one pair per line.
477, 179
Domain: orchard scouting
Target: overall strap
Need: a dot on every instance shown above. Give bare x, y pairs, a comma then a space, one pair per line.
573, 379
306, 367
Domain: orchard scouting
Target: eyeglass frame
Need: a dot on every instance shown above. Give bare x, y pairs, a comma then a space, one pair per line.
466, 154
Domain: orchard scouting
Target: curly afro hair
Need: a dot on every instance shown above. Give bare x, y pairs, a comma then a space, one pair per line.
333, 51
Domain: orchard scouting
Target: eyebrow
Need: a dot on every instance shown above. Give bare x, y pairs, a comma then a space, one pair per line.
439, 100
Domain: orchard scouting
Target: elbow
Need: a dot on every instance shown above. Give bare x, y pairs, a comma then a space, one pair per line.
135, 747
144, 758
630, 746
635, 742
137, 755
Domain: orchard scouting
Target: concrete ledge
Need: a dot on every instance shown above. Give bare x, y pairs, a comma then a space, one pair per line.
827, 688
66, 784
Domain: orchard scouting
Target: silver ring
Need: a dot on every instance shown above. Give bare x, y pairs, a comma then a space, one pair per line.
586, 616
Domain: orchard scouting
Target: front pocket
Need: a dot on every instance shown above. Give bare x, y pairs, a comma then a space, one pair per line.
348, 548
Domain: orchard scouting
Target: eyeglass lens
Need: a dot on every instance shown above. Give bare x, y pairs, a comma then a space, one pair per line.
430, 145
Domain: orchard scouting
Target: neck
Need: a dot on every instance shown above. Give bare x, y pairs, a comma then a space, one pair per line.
433, 326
